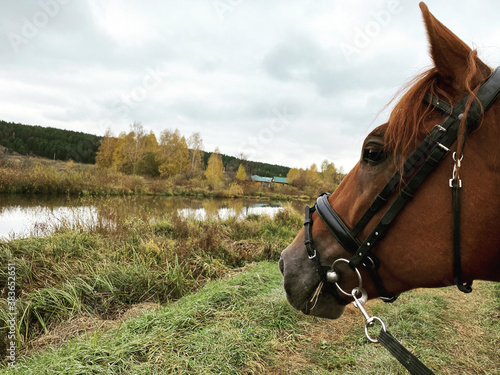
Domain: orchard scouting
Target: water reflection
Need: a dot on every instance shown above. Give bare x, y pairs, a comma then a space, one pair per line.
40, 215
237, 209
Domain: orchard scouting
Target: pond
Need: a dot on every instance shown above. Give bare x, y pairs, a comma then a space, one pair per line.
22, 216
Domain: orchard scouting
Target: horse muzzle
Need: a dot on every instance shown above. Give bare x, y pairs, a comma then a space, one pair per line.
301, 283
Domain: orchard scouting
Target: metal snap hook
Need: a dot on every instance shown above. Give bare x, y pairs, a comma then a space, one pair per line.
359, 303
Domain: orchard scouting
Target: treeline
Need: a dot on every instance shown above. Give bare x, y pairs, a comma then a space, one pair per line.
231, 164
81, 147
49, 142
171, 155
313, 180
178, 165
141, 153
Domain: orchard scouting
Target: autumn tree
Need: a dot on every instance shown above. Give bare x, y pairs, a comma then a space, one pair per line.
293, 175
195, 145
124, 153
104, 156
149, 164
215, 169
173, 153
241, 174
329, 172
312, 175
131, 148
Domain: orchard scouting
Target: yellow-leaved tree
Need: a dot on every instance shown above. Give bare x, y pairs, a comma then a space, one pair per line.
148, 164
293, 174
123, 154
173, 154
130, 149
241, 175
104, 156
195, 145
215, 169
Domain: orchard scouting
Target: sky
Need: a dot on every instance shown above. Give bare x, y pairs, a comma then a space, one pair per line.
282, 82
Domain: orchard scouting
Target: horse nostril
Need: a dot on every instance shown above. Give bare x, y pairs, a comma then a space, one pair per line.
281, 264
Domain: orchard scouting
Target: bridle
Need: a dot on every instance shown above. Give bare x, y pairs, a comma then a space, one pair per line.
417, 167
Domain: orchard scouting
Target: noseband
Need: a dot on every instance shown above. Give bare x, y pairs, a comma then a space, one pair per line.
417, 167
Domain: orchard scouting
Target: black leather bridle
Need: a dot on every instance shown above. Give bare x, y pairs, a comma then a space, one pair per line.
417, 167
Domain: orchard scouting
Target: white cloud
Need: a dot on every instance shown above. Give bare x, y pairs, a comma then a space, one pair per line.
228, 72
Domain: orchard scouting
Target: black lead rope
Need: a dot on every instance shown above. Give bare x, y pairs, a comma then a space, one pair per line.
457, 261
398, 351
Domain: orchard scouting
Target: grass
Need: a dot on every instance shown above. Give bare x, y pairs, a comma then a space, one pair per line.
102, 272
210, 300
243, 325
31, 176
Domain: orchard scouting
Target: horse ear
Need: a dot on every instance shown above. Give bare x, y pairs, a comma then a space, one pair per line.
450, 54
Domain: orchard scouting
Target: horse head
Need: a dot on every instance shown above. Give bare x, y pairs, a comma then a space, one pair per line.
340, 244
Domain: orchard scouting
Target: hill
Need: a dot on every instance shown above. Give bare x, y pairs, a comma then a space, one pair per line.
49, 142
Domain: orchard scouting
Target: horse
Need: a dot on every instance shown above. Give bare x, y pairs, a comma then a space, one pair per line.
421, 207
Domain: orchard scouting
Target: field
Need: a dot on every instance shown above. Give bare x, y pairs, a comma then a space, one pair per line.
34, 175
183, 296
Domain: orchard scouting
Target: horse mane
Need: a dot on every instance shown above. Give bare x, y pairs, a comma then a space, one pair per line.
406, 121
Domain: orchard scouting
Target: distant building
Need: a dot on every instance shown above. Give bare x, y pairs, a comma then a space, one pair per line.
280, 181
267, 181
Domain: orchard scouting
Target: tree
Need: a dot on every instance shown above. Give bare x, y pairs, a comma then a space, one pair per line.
149, 164
130, 149
293, 175
104, 156
215, 168
122, 154
312, 175
138, 148
173, 153
241, 174
195, 145
328, 172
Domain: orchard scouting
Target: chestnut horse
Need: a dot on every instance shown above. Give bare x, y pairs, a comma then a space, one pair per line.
411, 159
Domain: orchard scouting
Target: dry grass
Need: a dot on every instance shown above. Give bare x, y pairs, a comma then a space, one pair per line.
83, 325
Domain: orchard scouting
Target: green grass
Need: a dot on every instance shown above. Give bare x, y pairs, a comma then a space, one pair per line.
103, 273
209, 322
225, 328
243, 325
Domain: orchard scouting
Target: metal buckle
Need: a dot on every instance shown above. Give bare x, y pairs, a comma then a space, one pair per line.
439, 128
312, 256
443, 147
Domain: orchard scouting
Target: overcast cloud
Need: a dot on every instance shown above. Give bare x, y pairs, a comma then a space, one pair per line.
284, 82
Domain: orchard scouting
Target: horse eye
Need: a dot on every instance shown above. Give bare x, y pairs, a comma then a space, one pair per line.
374, 155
